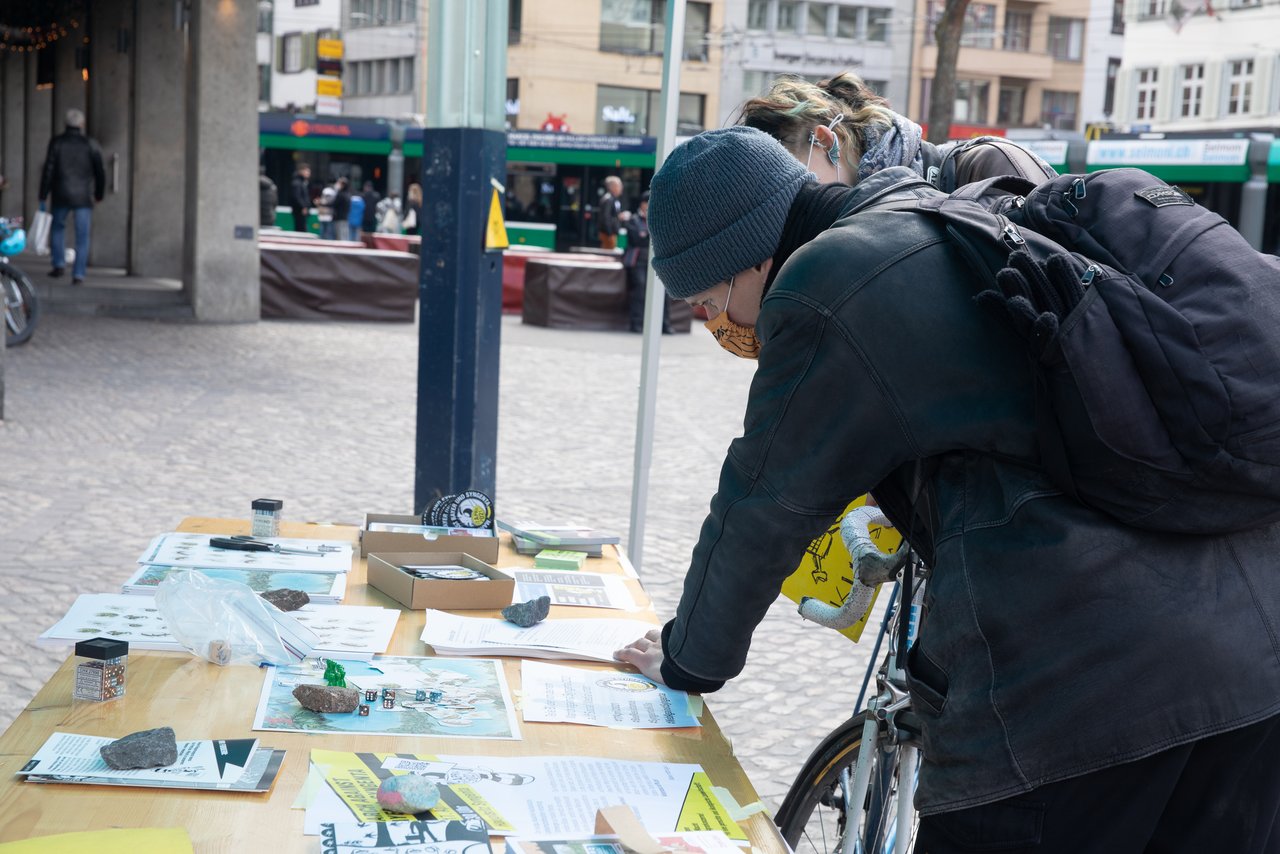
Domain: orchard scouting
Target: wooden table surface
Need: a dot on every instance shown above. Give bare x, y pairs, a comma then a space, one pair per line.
201, 700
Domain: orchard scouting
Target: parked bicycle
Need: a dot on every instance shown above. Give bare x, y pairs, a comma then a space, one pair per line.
21, 307
854, 793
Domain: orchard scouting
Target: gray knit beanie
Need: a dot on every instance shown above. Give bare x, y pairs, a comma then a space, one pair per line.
718, 205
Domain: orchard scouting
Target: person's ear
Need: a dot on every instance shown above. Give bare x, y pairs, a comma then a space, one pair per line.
765, 266
824, 136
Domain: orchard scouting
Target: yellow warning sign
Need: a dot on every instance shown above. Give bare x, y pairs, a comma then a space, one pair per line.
495, 233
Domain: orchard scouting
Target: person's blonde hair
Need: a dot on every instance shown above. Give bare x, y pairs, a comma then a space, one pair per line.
415, 193
793, 107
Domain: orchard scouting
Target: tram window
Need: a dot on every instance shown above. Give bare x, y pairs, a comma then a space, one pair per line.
1271, 224
1221, 198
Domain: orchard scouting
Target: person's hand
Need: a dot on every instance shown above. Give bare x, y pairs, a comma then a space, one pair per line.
625, 216
645, 654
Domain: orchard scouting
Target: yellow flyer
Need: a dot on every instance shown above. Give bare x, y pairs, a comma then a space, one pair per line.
702, 810
826, 572
354, 777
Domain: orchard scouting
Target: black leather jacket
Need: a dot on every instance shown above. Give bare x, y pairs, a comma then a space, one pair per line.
73, 172
1057, 641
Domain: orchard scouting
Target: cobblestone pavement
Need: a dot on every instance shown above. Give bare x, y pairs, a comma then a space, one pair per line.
117, 429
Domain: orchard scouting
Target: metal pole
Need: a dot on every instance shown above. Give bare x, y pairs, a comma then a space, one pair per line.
1253, 196
460, 284
672, 55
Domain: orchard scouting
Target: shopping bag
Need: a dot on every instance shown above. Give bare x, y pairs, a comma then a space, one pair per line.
41, 224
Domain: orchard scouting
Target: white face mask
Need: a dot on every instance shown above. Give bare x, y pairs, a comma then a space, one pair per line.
833, 153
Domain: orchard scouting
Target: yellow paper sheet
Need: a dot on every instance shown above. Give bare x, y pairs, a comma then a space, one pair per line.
702, 810
153, 840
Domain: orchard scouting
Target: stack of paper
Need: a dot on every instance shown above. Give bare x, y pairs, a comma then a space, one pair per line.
231, 765
589, 589
590, 640
532, 537
332, 631
299, 555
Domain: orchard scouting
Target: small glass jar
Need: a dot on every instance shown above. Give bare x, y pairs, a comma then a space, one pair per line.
101, 669
266, 517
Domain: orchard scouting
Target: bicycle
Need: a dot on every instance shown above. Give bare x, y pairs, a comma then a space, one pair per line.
854, 793
21, 307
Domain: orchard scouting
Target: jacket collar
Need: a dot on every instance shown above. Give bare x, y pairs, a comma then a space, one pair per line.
881, 184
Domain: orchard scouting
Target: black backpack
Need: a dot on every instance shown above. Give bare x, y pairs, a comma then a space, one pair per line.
1156, 332
954, 164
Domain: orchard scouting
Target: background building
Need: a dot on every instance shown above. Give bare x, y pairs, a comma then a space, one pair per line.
296, 72
766, 38
385, 64
1200, 71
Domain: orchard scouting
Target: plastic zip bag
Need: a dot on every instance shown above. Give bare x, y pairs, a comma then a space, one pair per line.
221, 621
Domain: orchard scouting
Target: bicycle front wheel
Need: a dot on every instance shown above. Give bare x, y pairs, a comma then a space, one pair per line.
813, 816
21, 308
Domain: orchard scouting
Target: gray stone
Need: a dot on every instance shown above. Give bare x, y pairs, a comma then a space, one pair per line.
286, 599
525, 614
323, 698
151, 748
408, 793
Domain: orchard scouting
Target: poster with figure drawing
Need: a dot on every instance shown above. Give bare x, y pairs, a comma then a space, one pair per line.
423, 696
326, 588
342, 631
194, 550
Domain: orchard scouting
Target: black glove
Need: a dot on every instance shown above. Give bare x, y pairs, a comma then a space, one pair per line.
1037, 296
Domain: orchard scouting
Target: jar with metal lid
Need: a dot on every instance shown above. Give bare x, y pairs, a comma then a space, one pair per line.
101, 670
266, 517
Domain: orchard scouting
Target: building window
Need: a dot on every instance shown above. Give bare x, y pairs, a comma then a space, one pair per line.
1058, 109
1239, 87
1066, 38
847, 22
1192, 90
1017, 30
393, 75
755, 83
1013, 100
638, 26
1109, 96
406, 75
1151, 9
878, 23
622, 111
1117, 17
264, 83
1244, 4
789, 16
819, 13
513, 102
979, 24
971, 101
758, 15
1148, 81
292, 53
515, 10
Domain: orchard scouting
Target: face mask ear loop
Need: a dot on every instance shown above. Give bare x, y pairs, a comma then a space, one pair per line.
834, 152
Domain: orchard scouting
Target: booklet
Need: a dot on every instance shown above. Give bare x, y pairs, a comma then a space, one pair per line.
210, 761
300, 555
559, 534
259, 776
325, 588
590, 640
556, 693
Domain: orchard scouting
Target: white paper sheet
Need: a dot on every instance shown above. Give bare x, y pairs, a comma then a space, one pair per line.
70, 754
588, 589
193, 550
591, 640
557, 693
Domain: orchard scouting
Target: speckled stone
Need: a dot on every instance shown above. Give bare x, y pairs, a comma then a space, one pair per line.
525, 614
323, 698
408, 793
286, 599
150, 748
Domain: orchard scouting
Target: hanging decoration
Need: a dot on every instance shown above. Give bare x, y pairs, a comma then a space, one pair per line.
31, 30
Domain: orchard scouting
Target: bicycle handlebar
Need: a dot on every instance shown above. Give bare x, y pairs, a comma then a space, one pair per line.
871, 568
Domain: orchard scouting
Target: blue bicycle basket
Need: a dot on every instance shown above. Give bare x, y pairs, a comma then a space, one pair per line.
12, 241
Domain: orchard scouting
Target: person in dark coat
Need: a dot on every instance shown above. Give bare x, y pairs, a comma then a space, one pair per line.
267, 199
371, 199
1081, 684
74, 177
300, 196
636, 262
342, 209
610, 221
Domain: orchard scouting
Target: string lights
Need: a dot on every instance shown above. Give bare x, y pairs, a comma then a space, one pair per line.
36, 34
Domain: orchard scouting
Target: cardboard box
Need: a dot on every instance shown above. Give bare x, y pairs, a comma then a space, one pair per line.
484, 548
420, 593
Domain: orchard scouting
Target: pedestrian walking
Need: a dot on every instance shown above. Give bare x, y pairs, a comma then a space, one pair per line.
371, 198
609, 221
72, 179
341, 209
267, 199
300, 196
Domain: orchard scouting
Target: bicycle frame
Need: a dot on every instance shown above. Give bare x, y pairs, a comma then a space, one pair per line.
881, 726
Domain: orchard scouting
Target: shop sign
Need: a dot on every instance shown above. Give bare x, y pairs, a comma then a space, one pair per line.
620, 115
1168, 152
329, 48
329, 86
581, 142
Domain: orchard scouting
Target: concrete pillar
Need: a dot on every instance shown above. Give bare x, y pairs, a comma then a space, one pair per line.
39, 130
159, 142
69, 85
220, 250
13, 148
110, 123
